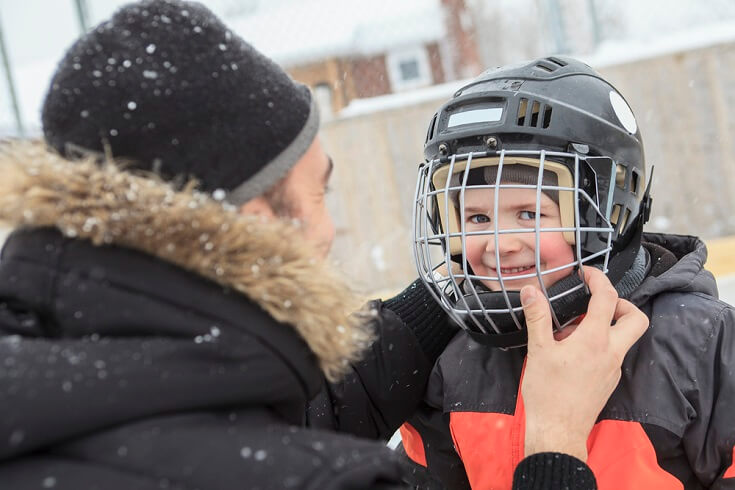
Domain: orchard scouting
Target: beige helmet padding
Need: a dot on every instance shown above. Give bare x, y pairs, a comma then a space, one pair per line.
450, 223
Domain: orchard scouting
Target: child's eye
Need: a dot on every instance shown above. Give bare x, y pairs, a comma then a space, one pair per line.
479, 219
527, 215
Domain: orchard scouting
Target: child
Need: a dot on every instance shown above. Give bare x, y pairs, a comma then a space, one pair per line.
533, 171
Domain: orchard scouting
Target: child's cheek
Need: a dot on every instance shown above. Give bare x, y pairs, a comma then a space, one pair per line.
474, 253
555, 249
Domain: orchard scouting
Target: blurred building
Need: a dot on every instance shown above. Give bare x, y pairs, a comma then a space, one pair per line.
346, 52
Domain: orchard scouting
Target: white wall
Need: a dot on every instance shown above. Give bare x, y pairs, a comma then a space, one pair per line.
726, 285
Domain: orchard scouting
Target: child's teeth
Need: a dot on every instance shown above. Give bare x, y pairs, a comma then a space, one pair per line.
514, 270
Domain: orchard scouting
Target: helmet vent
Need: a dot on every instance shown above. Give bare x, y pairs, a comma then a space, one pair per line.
624, 221
430, 132
534, 113
621, 172
547, 116
522, 107
619, 217
557, 61
615, 215
550, 65
634, 182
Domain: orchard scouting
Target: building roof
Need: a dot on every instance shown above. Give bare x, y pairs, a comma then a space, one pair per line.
312, 30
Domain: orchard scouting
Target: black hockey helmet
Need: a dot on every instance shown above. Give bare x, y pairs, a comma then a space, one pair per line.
557, 117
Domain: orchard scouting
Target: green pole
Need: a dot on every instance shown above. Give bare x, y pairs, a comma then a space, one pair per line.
595, 22
11, 84
557, 25
82, 15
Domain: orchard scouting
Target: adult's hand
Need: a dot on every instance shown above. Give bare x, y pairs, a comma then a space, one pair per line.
567, 382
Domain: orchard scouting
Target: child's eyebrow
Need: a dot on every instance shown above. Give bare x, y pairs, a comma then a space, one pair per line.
476, 209
527, 205
531, 206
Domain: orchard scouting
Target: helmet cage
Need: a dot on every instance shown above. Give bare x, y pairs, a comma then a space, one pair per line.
585, 187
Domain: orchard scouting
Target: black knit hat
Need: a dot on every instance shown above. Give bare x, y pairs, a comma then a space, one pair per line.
165, 83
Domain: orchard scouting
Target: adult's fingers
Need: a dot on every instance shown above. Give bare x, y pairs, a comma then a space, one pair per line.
602, 303
538, 316
630, 324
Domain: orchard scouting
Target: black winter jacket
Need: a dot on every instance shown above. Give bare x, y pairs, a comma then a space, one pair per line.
121, 371
669, 423
165, 366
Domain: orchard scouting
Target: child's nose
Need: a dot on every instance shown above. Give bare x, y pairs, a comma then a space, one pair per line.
506, 243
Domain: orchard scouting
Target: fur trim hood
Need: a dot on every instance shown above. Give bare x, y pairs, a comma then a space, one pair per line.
266, 261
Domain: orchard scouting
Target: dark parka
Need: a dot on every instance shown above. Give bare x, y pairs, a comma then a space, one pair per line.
669, 423
136, 362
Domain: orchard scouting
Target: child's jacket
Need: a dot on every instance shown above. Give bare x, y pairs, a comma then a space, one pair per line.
669, 424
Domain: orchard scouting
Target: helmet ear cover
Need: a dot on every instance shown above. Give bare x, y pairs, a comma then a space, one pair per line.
450, 213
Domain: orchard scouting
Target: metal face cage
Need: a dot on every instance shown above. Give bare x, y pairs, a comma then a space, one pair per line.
487, 306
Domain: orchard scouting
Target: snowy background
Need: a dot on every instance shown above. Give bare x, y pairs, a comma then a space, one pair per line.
380, 68
37, 32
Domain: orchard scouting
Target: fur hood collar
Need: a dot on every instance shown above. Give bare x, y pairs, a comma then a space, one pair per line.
266, 261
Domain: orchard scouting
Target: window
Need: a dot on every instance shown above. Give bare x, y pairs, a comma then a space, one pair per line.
323, 96
408, 68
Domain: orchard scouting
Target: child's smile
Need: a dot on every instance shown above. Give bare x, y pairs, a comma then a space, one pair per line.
516, 251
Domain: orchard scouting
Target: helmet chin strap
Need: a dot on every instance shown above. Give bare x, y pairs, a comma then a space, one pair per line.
567, 307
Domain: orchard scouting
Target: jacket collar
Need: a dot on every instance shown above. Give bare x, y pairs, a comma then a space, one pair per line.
266, 261
686, 275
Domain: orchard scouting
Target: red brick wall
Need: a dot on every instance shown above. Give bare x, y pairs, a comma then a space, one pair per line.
435, 60
358, 78
465, 58
369, 77
328, 72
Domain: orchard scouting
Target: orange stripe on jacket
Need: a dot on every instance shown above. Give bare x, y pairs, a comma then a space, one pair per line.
483, 441
413, 444
621, 456
730, 473
490, 444
620, 453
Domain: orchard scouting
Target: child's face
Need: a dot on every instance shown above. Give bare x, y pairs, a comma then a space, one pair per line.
516, 209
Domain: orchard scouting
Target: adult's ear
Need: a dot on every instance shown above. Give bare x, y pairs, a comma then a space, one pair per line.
258, 206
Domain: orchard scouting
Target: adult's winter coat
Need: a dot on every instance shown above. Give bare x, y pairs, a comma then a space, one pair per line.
151, 338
